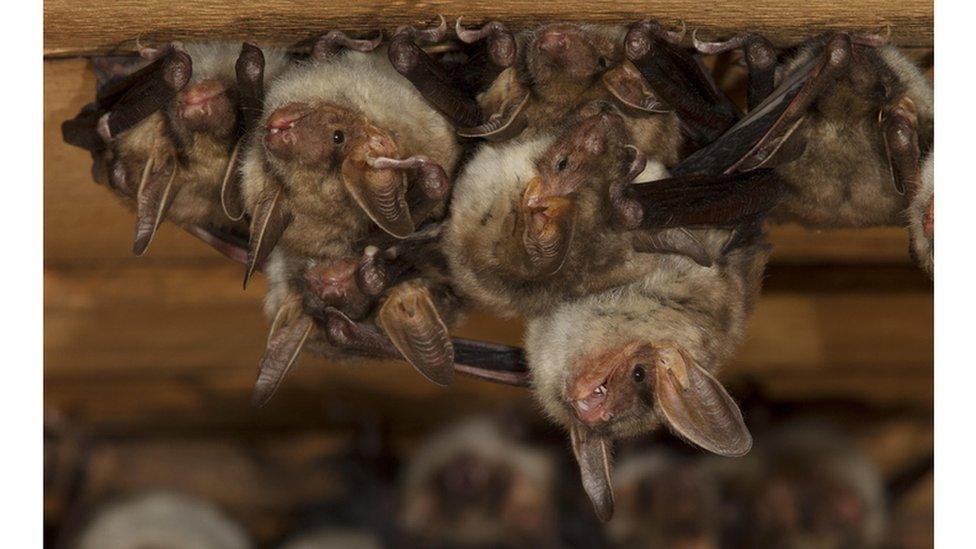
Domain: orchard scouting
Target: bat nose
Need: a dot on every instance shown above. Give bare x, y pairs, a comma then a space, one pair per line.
200, 102
553, 42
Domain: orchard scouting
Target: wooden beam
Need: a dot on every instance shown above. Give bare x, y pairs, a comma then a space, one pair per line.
72, 28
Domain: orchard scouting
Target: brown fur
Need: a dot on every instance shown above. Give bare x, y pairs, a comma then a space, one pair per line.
842, 178
201, 157
702, 310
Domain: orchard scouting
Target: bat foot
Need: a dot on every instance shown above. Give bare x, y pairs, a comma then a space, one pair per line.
332, 42
501, 42
429, 35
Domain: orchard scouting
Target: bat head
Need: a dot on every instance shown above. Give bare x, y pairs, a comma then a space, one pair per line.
208, 106
569, 192
666, 501
329, 139
476, 488
631, 388
571, 56
332, 283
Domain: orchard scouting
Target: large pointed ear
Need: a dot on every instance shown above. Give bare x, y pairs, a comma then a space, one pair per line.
631, 92
285, 341
697, 407
592, 453
505, 101
268, 222
154, 197
380, 192
411, 321
673, 241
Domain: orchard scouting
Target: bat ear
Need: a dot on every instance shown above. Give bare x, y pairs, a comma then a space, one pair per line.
508, 120
593, 456
289, 331
269, 221
630, 91
153, 199
697, 407
673, 241
411, 321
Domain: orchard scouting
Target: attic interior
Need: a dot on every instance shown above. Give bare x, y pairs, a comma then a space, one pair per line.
150, 361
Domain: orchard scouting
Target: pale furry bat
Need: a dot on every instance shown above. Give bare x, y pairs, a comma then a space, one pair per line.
538, 221
476, 486
666, 500
165, 137
810, 487
391, 303
347, 148
548, 72
344, 145
849, 127
623, 362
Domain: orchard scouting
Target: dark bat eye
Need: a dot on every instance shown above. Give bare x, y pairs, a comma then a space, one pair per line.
602, 62
561, 164
638, 374
338, 137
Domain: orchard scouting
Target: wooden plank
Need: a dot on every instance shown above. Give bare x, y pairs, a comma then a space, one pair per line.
71, 28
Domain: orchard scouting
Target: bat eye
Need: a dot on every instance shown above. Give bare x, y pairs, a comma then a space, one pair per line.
638, 374
338, 137
561, 164
602, 63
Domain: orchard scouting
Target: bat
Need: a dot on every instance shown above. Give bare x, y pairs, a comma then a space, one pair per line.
849, 128
626, 361
666, 500
540, 221
474, 485
344, 146
813, 489
155, 518
166, 137
545, 74
392, 303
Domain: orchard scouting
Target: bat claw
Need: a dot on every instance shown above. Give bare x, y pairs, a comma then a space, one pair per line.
501, 42
430, 34
330, 43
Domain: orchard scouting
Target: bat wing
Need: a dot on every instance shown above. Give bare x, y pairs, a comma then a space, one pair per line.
726, 200
739, 143
491, 362
129, 100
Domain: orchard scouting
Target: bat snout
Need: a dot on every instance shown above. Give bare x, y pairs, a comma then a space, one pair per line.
206, 106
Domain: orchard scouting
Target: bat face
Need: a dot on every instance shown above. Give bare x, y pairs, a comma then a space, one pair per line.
475, 486
209, 106
570, 55
665, 501
569, 174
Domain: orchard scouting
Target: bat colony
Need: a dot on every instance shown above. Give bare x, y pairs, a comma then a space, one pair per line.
591, 179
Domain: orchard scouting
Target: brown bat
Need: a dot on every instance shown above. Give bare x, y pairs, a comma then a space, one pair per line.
666, 500
849, 129
543, 220
547, 73
624, 362
345, 145
813, 489
474, 486
166, 137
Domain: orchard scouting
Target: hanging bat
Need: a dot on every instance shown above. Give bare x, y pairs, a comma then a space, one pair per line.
392, 303
815, 489
549, 72
345, 145
166, 137
540, 221
666, 500
624, 362
849, 129
475, 486
160, 519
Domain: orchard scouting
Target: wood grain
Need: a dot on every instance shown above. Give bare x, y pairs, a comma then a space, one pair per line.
73, 28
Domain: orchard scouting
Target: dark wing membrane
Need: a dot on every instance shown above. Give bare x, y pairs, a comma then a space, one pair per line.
736, 143
726, 200
491, 362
